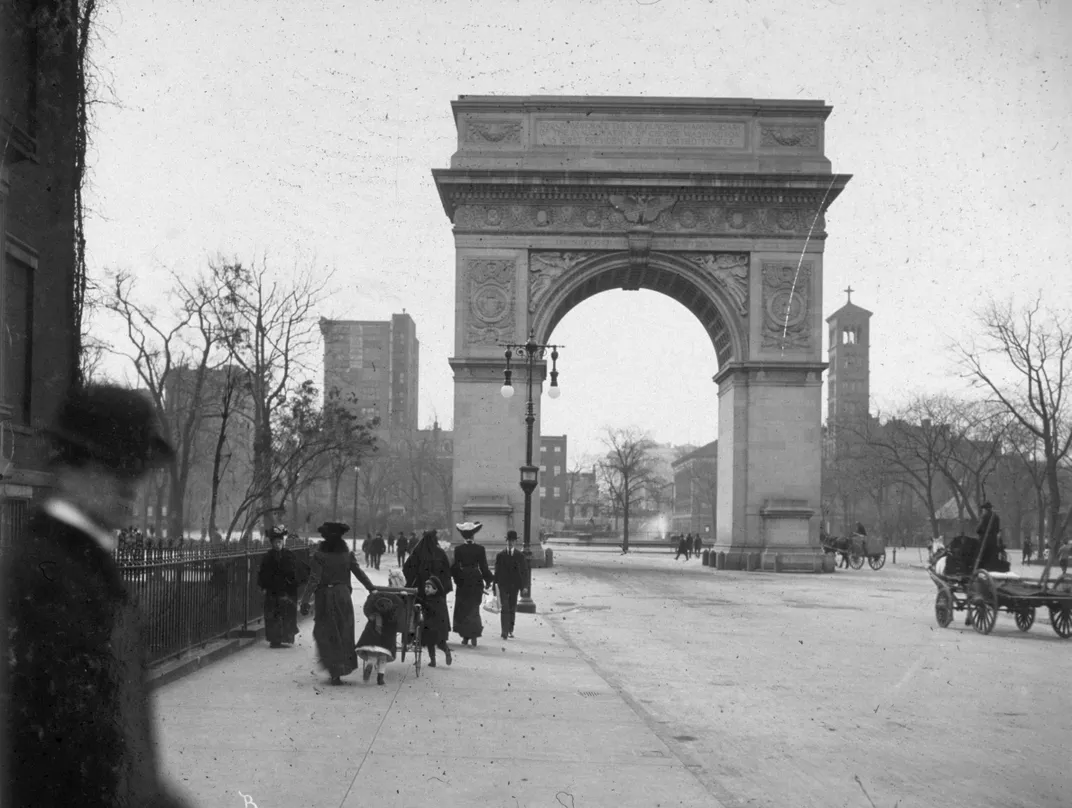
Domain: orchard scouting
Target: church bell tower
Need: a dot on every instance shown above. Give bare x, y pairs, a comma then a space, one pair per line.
848, 377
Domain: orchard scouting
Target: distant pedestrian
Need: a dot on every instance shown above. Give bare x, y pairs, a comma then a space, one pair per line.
78, 725
684, 547
1027, 548
366, 548
436, 626
377, 547
279, 577
401, 546
391, 541
329, 581
1063, 554
697, 545
511, 578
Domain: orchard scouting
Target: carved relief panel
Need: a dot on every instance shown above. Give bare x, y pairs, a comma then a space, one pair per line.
492, 301
546, 269
786, 306
729, 271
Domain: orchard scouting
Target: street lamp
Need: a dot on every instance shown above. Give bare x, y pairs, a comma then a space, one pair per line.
353, 539
530, 352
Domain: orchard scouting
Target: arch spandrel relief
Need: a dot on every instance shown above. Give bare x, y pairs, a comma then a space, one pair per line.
786, 306
730, 271
492, 296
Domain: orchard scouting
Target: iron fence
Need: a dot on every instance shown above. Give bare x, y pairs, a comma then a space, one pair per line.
187, 603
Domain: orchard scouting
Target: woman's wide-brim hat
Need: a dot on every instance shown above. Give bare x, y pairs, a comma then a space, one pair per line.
332, 530
469, 529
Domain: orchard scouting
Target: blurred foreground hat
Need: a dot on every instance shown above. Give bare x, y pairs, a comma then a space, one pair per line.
277, 532
112, 425
333, 530
986, 506
511, 535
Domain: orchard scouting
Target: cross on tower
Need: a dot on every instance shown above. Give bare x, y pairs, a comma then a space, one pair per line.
849, 291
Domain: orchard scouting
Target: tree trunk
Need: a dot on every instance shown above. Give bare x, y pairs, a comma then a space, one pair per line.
336, 481
176, 498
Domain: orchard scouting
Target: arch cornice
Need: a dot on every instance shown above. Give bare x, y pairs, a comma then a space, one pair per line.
713, 286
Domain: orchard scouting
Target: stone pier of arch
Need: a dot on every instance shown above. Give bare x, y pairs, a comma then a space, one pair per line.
717, 203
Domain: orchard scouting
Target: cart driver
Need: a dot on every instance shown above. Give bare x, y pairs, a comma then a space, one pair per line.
859, 530
987, 531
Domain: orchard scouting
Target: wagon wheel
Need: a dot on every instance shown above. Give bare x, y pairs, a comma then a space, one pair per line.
984, 615
943, 608
877, 562
856, 561
1025, 618
1061, 620
418, 618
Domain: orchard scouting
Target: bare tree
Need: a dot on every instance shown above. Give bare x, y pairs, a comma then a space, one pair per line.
349, 440
269, 331
1033, 349
628, 469
171, 356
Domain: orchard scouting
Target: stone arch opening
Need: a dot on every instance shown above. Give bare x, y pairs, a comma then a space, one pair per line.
712, 286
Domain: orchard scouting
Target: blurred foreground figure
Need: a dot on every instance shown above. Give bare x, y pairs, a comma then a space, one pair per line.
77, 725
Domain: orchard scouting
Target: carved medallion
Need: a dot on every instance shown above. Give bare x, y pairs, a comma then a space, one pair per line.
730, 271
545, 268
493, 132
786, 294
737, 219
789, 136
491, 301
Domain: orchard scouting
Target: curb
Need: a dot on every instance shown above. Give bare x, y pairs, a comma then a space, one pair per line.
171, 670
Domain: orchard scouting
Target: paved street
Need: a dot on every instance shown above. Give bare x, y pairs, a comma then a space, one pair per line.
645, 682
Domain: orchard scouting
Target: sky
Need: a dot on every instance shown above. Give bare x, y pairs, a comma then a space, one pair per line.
305, 133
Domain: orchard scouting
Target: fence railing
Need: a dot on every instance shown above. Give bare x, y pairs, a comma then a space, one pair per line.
190, 602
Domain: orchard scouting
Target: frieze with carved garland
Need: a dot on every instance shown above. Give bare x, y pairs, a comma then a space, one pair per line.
485, 131
661, 217
492, 301
786, 302
795, 137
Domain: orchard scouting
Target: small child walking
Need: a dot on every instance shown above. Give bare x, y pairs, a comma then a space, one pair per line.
378, 643
436, 626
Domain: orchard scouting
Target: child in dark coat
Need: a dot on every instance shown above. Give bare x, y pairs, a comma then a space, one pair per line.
378, 643
436, 626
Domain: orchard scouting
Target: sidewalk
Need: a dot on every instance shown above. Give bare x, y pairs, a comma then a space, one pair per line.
517, 723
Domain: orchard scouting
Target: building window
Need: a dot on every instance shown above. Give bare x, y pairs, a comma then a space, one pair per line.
369, 390
558, 449
556, 470
18, 334
543, 449
543, 491
543, 469
557, 492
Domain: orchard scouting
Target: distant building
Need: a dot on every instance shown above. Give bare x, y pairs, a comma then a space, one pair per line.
40, 93
848, 379
582, 508
554, 478
696, 491
377, 362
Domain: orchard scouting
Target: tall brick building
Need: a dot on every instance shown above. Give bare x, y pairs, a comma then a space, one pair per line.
377, 361
554, 479
40, 96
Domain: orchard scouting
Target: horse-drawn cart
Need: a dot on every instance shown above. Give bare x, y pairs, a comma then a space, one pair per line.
982, 593
857, 549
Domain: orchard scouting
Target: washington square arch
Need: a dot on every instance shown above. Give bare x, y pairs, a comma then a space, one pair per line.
717, 203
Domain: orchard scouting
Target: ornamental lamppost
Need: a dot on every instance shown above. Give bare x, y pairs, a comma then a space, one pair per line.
530, 352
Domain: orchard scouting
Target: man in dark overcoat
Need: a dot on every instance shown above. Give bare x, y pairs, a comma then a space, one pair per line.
987, 531
471, 574
376, 550
401, 546
76, 719
511, 577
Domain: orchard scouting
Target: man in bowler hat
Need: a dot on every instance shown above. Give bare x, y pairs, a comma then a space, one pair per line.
77, 724
511, 578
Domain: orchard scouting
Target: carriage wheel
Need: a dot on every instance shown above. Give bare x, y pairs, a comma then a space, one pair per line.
1061, 620
856, 562
943, 608
1025, 618
877, 562
984, 616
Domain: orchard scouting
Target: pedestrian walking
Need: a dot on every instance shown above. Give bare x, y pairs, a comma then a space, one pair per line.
428, 559
329, 581
1063, 555
366, 548
279, 577
391, 541
436, 626
697, 545
77, 719
471, 575
511, 577
401, 546
683, 547
1027, 548
376, 550
378, 643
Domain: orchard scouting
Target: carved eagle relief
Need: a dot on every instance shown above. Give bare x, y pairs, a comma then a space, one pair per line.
641, 208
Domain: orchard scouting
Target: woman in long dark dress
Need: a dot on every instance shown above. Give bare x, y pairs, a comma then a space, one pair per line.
471, 575
333, 626
279, 577
425, 560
